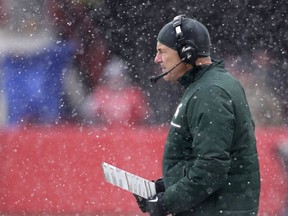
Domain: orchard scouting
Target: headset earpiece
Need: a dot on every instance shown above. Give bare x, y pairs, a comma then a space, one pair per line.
187, 49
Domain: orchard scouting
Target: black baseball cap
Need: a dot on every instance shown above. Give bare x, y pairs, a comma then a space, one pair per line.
192, 30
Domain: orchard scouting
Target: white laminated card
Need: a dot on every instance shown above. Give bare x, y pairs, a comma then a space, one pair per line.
128, 181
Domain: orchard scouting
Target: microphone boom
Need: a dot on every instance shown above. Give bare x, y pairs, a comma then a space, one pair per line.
154, 79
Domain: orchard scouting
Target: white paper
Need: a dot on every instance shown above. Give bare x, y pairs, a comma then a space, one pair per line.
128, 181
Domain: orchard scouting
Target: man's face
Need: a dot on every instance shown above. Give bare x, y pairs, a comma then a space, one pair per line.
168, 58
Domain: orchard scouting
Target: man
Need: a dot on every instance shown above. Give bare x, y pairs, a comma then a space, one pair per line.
210, 163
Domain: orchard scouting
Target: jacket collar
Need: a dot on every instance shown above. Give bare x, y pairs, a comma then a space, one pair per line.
196, 72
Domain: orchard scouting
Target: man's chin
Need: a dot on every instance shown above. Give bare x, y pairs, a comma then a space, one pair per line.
169, 78
166, 78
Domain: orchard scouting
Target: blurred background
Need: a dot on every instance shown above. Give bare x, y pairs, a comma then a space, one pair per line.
83, 66
54, 54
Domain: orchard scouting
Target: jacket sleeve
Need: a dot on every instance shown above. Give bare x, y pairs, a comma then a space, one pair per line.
211, 122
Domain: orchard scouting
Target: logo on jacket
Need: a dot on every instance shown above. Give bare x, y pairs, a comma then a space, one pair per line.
177, 110
175, 116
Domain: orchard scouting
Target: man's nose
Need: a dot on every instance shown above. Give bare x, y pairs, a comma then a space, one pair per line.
157, 59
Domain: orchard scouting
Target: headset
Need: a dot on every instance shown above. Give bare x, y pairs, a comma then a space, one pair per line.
187, 49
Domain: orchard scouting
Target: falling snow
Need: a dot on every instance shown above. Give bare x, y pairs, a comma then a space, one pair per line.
74, 92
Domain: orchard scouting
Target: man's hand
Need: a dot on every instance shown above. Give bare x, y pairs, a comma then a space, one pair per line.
155, 205
141, 202
159, 185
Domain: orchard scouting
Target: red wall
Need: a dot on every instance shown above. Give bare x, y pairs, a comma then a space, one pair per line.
57, 170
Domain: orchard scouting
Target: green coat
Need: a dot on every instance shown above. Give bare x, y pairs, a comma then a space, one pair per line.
210, 163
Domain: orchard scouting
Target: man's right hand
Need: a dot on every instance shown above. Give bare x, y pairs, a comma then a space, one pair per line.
142, 204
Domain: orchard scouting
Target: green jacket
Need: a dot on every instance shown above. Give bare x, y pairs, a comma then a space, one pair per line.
210, 163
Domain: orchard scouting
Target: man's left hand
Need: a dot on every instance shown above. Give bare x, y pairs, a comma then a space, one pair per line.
155, 205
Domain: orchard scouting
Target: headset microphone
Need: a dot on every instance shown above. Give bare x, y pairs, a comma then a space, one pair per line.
154, 79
